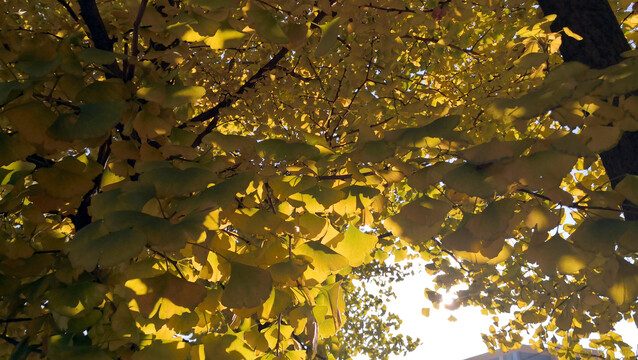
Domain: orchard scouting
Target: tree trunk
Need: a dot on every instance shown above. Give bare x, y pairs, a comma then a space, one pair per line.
602, 45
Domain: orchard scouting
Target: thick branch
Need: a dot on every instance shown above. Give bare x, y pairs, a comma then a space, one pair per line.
602, 45
97, 31
68, 8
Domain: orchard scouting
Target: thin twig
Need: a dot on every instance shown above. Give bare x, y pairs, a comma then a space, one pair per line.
130, 72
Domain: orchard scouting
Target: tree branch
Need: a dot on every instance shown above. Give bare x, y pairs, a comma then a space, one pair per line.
213, 113
97, 31
70, 10
129, 71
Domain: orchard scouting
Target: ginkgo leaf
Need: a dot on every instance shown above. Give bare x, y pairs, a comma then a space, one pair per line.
248, 287
172, 95
469, 180
93, 245
109, 89
373, 151
625, 289
284, 186
131, 196
530, 60
419, 220
31, 120
95, 120
76, 298
228, 346
97, 56
62, 183
178, 350
329, 33
169, 180
289, 271
355, 246
495, 150
281, 150
225, 37
628, 187
63, 347
9, 91
323, 260
267, 26
13, 148
278, 301
165, 295
311, 226
572, 34
224, 192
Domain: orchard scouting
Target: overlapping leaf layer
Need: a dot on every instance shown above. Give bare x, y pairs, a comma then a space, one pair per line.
196, 179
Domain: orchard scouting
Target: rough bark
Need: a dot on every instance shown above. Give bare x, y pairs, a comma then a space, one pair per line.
602, 45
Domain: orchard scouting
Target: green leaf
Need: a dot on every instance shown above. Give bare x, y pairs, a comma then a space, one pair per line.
419, 220
10, 90
267, 26
131, 196
373, 152
97, 56
13, 148
169, 180
329, 33
467, 179
62, 183
248, 287
280, 150
171, 96
64, 347
158, 350
95, 120
628, 187
93, 245
495, 150
76, 298
530, 60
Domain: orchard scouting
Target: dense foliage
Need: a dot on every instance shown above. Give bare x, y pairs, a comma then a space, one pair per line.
190, 179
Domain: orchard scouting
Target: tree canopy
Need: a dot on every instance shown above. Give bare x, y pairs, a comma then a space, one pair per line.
202, 179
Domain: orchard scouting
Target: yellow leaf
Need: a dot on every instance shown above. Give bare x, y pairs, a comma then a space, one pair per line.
572, 34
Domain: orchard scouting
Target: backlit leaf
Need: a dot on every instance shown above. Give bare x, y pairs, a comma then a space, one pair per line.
248, 287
